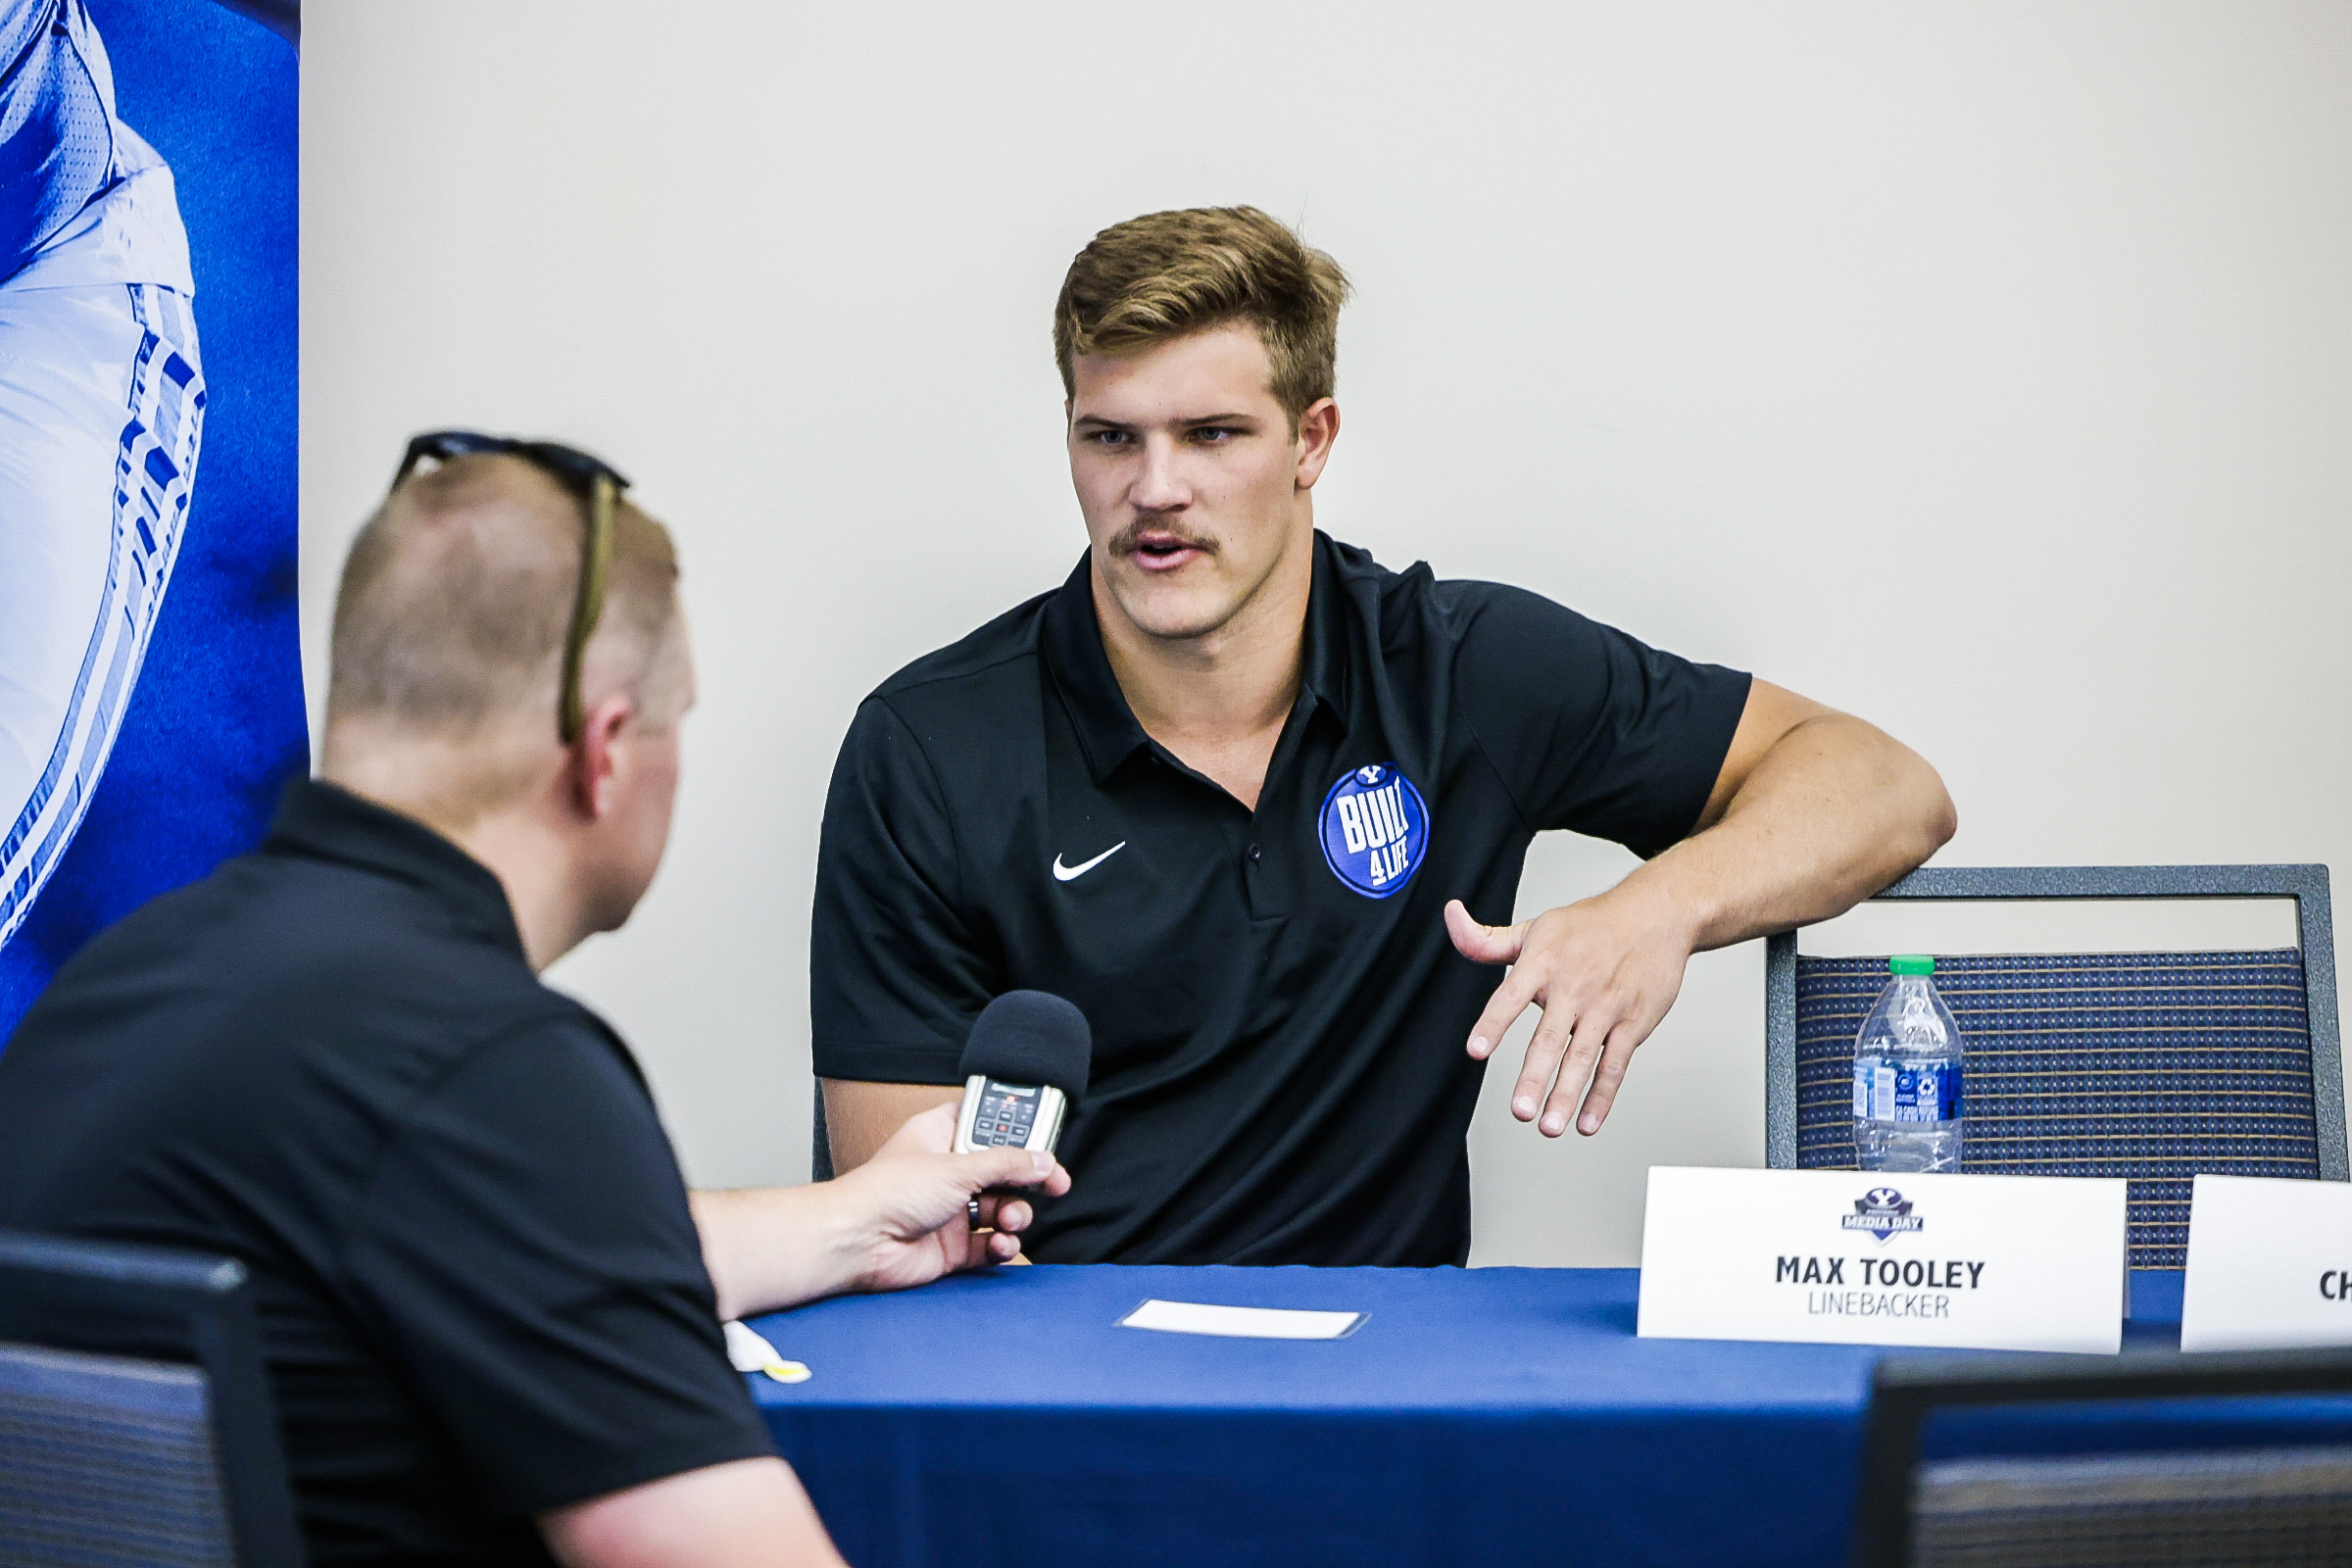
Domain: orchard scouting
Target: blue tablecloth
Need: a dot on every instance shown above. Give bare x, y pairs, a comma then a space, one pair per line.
1479, 1417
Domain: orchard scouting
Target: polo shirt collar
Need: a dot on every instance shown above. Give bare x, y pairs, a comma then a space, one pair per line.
1106, 727
329, 822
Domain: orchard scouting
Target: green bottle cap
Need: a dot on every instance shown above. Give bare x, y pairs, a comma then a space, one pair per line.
1912, 964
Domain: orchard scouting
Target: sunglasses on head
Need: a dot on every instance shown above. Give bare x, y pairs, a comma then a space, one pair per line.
596, 484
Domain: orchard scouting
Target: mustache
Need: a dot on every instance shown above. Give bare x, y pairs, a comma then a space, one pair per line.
1130, 539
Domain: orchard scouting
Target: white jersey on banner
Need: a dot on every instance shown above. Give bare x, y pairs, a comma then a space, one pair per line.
101, 420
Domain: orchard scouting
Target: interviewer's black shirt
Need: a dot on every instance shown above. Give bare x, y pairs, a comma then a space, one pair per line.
480, 1290
1279, 1018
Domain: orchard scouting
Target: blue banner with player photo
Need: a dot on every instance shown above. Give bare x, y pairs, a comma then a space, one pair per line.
151, 703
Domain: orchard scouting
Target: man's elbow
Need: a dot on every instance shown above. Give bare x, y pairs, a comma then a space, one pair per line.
1946, 818
1934, 818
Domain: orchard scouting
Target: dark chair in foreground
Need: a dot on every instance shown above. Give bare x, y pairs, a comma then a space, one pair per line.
2249, 1507
169, 1457
2149, 1065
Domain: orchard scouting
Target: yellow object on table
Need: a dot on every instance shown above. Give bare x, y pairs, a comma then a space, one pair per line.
750, 1352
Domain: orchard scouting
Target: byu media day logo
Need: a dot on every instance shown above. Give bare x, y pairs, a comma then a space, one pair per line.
1883, 1211
1375, 829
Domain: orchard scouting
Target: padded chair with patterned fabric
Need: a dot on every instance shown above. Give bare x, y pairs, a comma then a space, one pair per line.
2150, 1066
2136, 1500
160, 1459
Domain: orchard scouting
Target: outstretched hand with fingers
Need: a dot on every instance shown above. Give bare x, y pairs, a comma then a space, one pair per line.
1604, 970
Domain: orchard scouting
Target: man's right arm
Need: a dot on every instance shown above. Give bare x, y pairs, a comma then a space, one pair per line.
899, 965
752, 1513
860, 1117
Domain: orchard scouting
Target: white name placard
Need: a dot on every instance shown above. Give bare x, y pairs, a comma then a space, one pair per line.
2270, 1264
1861, 1258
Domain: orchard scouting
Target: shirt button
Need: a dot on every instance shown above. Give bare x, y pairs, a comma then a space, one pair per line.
1253, 853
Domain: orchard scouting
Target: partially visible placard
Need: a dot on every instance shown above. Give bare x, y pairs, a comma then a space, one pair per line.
1855, 1257
2270, 1264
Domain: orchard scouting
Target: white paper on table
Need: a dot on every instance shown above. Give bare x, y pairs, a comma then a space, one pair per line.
1243, 1322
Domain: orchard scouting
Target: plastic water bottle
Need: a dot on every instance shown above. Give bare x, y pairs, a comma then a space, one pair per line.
1908, 1075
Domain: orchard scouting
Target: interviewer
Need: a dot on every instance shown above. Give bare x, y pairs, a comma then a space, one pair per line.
490, 1308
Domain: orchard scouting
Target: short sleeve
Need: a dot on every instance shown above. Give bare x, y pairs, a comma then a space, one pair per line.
526, 1255
1591, 730
897, 974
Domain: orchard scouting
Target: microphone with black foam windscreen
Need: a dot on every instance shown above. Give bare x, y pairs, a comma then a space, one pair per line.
1024, 1065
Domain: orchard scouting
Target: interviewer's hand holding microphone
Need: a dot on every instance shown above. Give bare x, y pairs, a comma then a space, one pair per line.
937, 1198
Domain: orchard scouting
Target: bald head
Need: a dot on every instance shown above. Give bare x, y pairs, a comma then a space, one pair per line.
455, 602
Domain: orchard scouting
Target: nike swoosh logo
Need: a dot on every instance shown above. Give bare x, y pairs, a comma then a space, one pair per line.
1071, 873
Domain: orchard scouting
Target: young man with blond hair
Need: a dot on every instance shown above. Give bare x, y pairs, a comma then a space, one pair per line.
489, 1307
1259, 806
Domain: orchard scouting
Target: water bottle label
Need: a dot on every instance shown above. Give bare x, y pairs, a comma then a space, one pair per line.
1925, 1094
1884, 1092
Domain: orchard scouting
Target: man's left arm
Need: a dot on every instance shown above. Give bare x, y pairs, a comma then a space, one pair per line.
1812, 811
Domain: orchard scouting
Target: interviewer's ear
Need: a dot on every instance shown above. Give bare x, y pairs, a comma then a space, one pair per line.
593, 755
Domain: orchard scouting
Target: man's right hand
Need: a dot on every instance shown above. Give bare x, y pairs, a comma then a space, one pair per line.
898, 1219
910, 1202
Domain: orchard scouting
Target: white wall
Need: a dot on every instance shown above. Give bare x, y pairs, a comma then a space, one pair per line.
1983, 369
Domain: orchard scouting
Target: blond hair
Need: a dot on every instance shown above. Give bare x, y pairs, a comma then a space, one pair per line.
1168, 275
456, 597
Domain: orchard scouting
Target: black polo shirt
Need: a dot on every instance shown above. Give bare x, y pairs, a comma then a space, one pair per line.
1279, 1018
480, 1290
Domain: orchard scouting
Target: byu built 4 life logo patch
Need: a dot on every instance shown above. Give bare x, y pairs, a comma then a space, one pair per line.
1375, 830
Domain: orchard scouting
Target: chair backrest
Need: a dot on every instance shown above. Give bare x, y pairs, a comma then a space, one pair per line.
135, 1420
2152, 1066
2142, 1503
108, 1460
